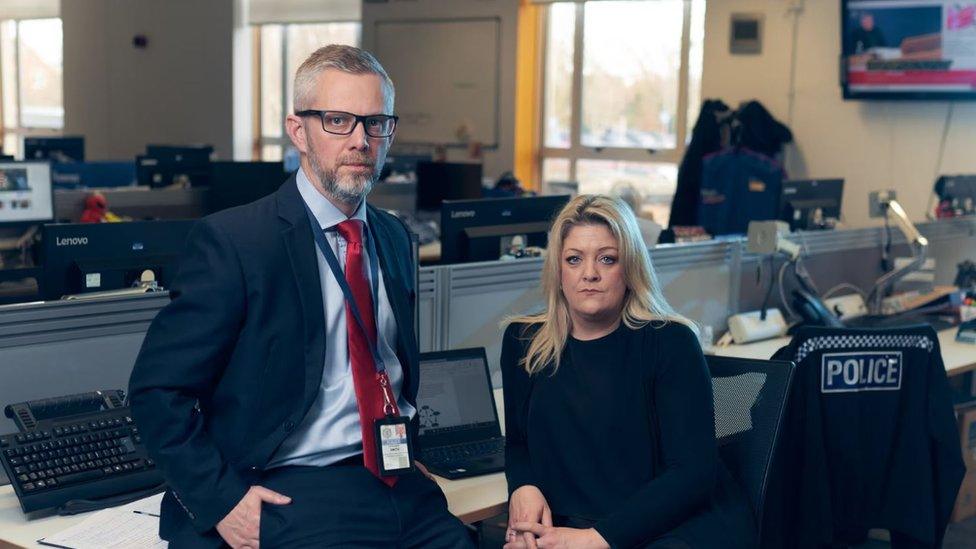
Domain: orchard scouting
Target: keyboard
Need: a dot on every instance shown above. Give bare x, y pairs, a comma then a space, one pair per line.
463, 452
84, 457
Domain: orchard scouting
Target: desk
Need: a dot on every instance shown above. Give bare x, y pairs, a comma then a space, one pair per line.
958, 357
430, 253
470, 499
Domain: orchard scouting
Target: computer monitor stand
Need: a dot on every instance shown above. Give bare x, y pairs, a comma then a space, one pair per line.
146, 284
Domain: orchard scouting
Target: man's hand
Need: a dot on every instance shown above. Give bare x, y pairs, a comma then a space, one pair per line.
242, 526
420, 467
547, 537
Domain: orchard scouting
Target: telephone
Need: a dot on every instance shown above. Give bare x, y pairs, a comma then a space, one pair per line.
77, 453
813, 310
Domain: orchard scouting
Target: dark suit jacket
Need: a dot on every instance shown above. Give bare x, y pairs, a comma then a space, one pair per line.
230, 367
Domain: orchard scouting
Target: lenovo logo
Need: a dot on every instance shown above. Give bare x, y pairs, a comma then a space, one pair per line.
462, 213
71, 241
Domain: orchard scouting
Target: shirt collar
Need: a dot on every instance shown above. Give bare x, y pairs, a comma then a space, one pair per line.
325, 212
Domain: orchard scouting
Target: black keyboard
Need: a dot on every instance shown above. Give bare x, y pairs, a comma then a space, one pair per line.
84, 457
461, 452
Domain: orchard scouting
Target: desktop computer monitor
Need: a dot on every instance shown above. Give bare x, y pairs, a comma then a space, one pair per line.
181, 154
238, 183
26, 197
811, 204
440, 181
958, 192
79, 258
403, 166
164, 165
481, 230
80, 175
55, 149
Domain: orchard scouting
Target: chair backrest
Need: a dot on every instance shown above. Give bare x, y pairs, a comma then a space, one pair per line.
749, 397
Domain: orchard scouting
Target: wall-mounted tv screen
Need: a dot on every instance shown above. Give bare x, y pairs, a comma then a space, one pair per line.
908, 49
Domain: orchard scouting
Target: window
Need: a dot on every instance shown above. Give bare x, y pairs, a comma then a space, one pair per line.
282, 50
30, 71
621, 87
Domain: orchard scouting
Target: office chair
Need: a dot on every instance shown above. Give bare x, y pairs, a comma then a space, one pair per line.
750, 398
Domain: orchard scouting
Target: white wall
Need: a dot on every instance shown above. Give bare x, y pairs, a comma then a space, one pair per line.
873, 145
495, 161
177, 90
28, 9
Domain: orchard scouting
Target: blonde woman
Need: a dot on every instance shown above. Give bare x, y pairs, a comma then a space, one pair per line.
608, 404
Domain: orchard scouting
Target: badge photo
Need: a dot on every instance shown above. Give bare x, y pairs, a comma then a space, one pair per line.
394, 448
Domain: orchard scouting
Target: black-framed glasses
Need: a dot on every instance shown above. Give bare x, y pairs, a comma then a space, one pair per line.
344, 123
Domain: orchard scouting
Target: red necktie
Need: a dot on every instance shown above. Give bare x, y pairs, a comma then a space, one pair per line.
369, 392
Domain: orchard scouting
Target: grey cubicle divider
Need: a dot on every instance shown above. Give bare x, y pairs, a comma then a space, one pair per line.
698, 279
950, 243
695, 278
63, 347
428, 326
48, 349
854, 256
135, 202
479, 296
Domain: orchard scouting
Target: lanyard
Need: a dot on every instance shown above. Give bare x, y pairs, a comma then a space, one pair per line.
340, 277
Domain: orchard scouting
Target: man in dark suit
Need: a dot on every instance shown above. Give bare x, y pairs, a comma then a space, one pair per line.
289, 335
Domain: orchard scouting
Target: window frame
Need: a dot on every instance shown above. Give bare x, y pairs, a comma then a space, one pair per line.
260, 140
20, 130
576, 150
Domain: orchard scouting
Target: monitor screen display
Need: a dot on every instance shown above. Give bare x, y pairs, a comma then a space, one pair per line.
908, 49
25, 193
454, 393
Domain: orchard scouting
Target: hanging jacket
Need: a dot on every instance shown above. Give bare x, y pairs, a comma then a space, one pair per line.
705, 139
869, 441
738, 186
750, 126
759, 131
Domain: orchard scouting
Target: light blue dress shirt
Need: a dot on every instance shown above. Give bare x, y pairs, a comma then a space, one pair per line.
330, 430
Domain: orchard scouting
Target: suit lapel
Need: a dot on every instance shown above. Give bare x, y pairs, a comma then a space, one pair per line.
299, 243
393, 279
296, 235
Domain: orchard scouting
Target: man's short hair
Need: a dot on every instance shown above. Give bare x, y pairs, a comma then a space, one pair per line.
347, 59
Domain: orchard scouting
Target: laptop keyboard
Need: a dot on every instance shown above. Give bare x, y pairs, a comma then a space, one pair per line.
460, 452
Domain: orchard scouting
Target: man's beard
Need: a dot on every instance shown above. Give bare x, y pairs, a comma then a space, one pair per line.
356, 186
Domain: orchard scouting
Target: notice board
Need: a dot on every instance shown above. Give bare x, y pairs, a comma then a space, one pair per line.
446, 74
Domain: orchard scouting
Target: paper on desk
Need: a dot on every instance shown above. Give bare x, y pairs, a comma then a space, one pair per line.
147, 506
131, 526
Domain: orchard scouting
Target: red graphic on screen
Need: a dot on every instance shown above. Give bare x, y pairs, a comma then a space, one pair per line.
960, 18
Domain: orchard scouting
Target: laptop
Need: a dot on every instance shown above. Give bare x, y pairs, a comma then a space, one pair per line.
459, 431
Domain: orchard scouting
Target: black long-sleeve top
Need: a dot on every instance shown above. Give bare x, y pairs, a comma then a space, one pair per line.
622, 437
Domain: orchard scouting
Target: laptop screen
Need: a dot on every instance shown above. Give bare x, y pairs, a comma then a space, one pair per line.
455, 401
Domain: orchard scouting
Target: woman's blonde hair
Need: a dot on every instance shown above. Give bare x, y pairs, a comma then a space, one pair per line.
643, 300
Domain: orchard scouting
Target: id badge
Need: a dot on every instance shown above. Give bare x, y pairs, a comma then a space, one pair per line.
394, 451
